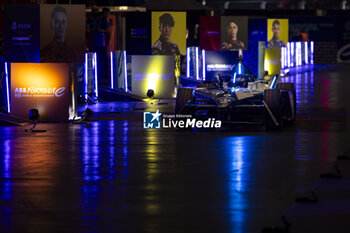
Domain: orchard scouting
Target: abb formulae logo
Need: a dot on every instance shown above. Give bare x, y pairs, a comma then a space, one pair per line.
39, 92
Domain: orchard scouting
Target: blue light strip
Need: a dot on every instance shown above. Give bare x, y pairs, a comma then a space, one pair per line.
188, 62
306, 52
288, 54
234, 77
285, 57
197, 68
86, 77
203, 64
312, 52
112, 79
272, 85
297, 54
292, 54
239, 68
300, 54
125, 73
95, 68
282, 57
7, 88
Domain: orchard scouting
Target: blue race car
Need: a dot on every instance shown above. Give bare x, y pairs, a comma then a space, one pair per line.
240, 98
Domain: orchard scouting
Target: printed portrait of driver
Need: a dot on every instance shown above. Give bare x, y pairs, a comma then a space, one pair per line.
58, 50
275, 41
163, 46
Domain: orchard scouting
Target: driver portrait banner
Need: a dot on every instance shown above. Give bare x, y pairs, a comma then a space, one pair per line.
168, 33
277, 33
234, 33
62, 33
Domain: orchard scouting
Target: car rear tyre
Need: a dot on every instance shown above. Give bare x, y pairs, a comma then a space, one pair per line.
272, 98
290, 88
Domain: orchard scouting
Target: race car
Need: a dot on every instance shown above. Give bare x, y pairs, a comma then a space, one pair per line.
240, 98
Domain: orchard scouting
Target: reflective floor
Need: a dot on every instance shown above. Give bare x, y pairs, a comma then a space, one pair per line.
113, 176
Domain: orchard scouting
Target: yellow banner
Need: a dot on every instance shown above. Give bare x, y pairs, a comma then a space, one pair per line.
273, 60
168, 33
277, 33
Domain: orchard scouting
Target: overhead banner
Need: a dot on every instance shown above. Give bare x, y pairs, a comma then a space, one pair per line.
210, 33
22, 33
168, 33
42, 86
277, 33
234, 33
155, 73
138, 33
62, 33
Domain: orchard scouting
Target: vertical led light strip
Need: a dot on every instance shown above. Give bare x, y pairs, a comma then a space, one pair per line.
7, 88
284, 49
312, 52
95, 66
203, 64
239, 68
306, 52
282, 57
288, 54
299, 53
292, 54
296, 54
285, 56
125, 73
188, 62
197, 68
112, 79
86, 77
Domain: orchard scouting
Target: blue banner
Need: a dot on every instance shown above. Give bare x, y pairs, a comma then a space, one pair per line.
220, 62
256, 32
22, 33
138, 33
